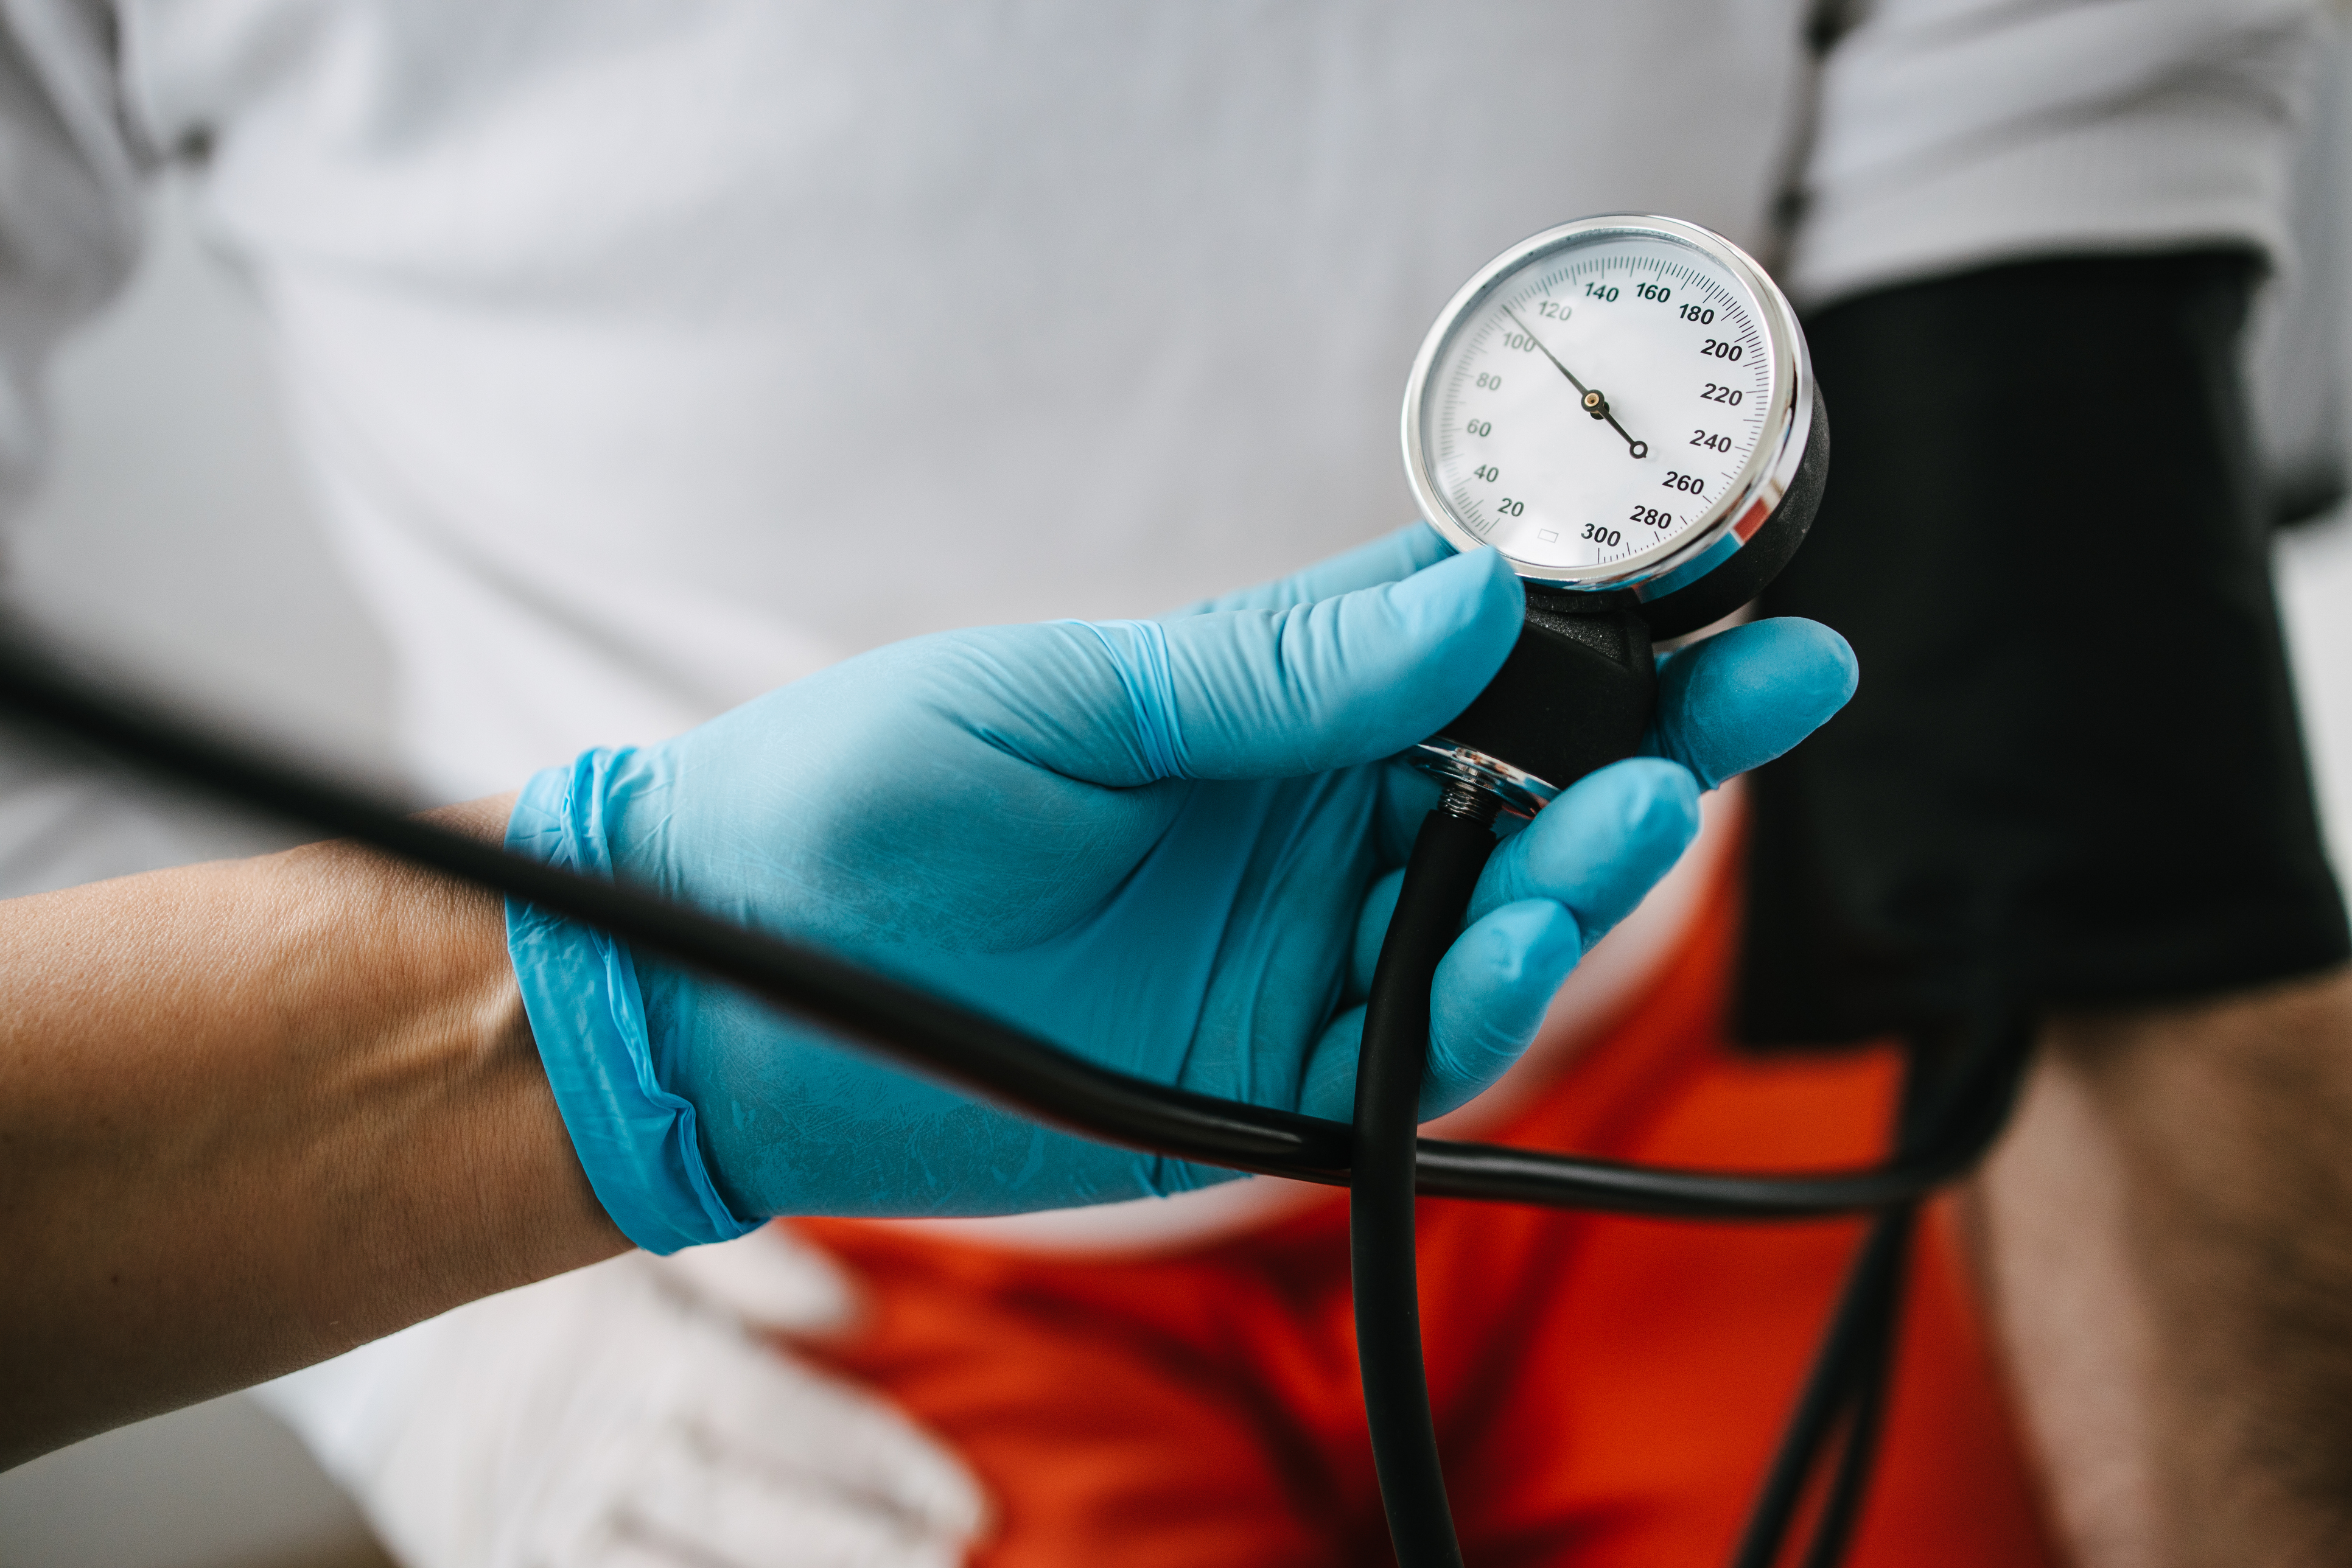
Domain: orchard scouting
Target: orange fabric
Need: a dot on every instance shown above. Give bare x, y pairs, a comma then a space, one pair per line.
1606, 1391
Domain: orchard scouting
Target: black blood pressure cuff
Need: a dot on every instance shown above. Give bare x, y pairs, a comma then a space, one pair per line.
2072, 774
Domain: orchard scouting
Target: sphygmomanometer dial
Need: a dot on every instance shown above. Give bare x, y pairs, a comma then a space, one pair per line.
1616, 403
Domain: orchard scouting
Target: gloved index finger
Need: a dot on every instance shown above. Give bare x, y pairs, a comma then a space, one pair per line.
1743, 697
1385, 560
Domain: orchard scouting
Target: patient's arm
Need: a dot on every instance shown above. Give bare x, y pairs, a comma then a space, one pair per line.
253, 1113
2167, 1234
2079, 791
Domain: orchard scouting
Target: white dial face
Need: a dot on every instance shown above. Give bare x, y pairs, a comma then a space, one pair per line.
1598, 402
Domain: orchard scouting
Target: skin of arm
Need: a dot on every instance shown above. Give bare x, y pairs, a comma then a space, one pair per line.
2166, 1239
254, 1114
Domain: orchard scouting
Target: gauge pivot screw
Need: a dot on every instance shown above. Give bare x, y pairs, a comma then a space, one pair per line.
1597, 406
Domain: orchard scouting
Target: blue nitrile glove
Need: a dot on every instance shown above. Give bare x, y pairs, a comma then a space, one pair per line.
1154, 842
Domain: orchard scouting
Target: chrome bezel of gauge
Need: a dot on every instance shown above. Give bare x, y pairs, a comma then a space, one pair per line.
1762, 481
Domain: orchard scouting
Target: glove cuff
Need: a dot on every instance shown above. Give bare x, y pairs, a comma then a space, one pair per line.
634, 1137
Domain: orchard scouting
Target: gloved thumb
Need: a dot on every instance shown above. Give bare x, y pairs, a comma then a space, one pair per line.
1274, 693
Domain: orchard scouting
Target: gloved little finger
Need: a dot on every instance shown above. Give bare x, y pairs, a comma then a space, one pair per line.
1600, 847
1489, 997
1743, 697
1385, 560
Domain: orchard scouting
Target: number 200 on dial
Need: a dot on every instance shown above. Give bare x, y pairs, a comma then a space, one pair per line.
1604, 400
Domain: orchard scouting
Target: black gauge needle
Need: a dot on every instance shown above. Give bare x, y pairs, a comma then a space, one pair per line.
1595, 403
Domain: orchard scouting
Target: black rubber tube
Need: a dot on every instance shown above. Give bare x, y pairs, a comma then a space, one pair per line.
1448, 854
1858, 1459
1856, 1327
1950, 1098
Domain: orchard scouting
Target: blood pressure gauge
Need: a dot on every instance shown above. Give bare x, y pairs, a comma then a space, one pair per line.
1626, 408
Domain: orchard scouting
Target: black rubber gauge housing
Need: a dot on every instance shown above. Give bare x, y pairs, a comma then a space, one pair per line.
1576, 692
1707, 599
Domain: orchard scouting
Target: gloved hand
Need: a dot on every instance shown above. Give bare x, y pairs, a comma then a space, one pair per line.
1150, 842
628, 1416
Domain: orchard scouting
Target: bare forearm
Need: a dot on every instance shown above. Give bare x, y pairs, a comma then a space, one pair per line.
252, 1114
2168, 1234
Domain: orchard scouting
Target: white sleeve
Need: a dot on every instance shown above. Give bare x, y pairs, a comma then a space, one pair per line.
70, 207
1953, 134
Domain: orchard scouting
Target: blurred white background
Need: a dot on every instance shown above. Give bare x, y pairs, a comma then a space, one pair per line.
173, 537
174, 540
